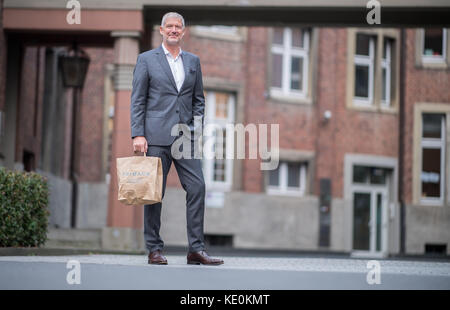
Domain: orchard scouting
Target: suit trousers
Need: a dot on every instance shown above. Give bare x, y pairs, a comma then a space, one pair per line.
191, 178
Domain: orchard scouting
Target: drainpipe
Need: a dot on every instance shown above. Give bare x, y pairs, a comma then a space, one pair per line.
401, 135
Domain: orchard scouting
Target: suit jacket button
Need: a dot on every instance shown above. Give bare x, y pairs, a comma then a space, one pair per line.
177, 111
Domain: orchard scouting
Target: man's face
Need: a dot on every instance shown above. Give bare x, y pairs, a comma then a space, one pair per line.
172, 31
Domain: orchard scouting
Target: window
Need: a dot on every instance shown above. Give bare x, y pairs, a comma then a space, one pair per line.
231, 30
386, 73
364, 69
220, 32
433, 158
372, 70
435, 249
434, 45
288, 179
219, 112
290, 59
370, 175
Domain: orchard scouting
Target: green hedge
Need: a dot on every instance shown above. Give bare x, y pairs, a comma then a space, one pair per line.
23, 209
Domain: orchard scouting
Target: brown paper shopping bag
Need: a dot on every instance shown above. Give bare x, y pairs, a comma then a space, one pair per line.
140, 179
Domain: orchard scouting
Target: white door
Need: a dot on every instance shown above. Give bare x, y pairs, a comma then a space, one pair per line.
370, 221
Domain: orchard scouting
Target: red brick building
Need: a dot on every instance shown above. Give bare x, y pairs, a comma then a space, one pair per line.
362, 114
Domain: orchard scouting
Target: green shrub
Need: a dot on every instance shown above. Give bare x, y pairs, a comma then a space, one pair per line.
23, 209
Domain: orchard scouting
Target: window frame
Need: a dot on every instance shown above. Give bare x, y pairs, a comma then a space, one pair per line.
391, 35
369, 61
219, 29
386, 64
419, 48
210, 118
287, 51
283, 188
421, 108
431, 59
434, 143
215, 32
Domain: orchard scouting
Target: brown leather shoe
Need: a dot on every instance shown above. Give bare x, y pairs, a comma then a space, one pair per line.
197, 258
157, 258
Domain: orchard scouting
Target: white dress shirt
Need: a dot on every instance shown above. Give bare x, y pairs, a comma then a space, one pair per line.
176, 66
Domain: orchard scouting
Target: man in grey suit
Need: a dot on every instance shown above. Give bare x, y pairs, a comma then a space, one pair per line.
167, 91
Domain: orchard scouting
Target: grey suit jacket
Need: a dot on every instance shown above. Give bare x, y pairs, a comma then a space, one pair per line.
156, 104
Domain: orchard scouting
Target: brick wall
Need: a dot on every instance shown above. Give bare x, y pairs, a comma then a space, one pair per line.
301, 125
3, 49
422, 85
349, 131
29, 114
90, 136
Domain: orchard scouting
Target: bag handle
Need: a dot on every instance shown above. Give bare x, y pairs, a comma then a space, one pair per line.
145, 154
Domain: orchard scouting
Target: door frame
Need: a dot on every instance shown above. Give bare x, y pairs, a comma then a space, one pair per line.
373, 190
385, 162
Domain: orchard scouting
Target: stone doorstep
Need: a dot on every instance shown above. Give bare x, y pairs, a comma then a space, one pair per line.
58, 244
123, 239
74, 234
74, 238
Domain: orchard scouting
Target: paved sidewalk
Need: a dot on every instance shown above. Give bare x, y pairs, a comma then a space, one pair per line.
258, 263
133, 272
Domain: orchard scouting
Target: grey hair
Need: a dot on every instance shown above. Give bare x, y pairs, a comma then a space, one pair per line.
171, 14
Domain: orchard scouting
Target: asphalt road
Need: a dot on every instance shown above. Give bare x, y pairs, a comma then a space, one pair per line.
238, 273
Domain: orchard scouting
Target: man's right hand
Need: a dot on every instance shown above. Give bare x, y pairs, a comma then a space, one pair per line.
140, 144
